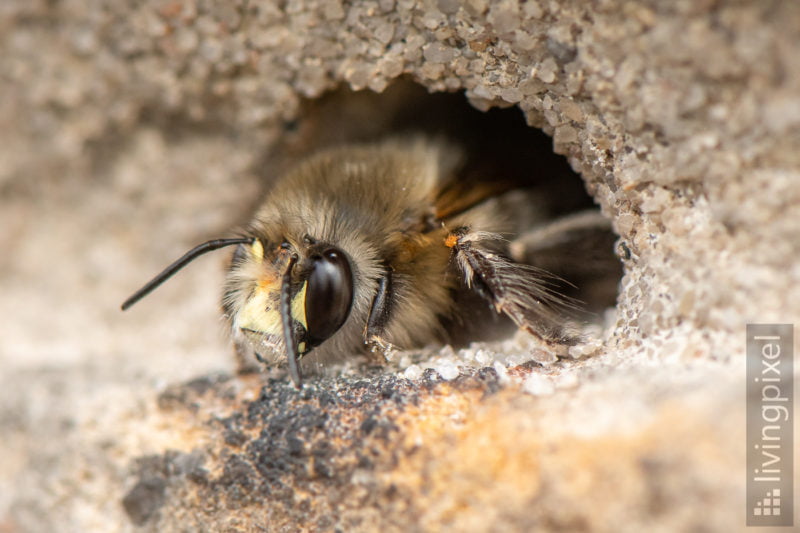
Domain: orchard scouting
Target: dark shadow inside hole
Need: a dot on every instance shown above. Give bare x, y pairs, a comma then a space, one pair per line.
500, 147
499, 142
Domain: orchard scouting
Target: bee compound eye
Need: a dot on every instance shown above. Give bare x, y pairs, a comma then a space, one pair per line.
329, 294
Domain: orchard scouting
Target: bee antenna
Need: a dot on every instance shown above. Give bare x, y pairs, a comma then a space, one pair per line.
187, 258
286, 319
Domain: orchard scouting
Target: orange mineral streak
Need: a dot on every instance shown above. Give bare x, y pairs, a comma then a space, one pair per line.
458, 439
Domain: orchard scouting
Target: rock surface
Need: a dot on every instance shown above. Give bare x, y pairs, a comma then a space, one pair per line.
132, 129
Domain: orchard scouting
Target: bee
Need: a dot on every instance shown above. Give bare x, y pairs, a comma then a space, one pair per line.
365, 247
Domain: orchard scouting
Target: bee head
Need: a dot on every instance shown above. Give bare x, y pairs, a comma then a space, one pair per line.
289, 299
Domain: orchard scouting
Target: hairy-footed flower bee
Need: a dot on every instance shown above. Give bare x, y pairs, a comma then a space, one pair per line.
366, 246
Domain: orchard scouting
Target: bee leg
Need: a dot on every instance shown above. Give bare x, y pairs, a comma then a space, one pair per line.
522, 292
565, 232
379, 313
580, 248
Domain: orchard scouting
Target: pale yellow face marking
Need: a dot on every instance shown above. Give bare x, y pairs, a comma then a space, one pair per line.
257, 249
299, 306
262, 314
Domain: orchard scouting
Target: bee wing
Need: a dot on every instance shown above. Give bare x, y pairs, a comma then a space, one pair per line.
524, 293
461, 193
